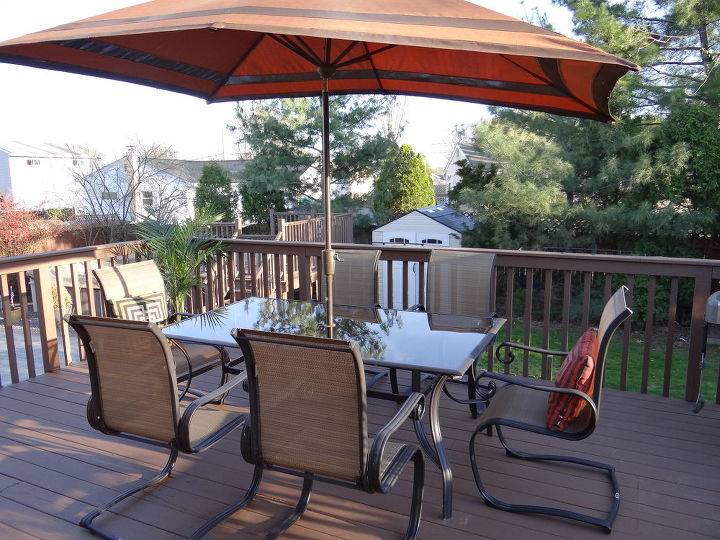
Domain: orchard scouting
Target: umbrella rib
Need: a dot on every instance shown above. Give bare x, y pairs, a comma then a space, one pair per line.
552, 84
345, 52
282, 40
236, 67
308, 49
372, 64
364, 57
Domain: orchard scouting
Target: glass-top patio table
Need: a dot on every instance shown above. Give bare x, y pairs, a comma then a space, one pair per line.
445, 346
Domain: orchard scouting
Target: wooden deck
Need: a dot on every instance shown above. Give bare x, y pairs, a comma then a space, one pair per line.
54, 467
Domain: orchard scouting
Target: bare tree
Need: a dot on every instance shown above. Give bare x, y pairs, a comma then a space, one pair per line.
146, 183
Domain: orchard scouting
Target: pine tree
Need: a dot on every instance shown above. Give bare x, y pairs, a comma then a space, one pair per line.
404, 184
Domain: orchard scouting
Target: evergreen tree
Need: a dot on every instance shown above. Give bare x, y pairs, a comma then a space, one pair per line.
404, 183
215, 194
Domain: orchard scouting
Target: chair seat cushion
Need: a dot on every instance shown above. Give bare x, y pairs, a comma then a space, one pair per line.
202, 358
577, 372
207, 420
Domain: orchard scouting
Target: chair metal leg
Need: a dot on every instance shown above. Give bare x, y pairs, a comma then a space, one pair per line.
218, 518
417, 496
605, 523
87, 521
472, 389
297, 513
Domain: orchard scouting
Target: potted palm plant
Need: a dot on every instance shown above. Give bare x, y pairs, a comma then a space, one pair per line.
179, 250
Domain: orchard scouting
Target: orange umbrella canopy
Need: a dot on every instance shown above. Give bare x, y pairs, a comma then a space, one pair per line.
224, 50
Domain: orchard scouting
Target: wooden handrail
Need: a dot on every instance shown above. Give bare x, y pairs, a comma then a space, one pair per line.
291, 269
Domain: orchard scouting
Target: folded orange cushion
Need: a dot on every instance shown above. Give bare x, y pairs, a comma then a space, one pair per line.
577, 371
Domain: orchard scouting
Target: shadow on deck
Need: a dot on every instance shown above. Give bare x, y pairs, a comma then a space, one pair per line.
54, 467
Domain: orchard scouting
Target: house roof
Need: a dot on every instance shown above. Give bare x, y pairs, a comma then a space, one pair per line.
191, 170
448, 216
473, 155
443, 214
45, 150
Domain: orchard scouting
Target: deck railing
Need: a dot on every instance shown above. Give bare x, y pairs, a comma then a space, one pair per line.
545, 296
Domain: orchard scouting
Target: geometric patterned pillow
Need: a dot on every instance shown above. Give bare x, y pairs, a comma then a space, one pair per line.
577, 371
149, 308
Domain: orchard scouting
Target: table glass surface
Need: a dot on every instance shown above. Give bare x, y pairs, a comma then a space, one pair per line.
404, 339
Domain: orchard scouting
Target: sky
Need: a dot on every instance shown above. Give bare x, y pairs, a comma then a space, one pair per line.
46, 106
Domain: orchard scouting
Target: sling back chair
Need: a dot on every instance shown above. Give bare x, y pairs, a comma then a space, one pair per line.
356, 285
134, 395
308, 418
459, 284
136, 291
522, 405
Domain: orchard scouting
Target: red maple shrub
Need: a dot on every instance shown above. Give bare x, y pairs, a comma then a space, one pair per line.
21, 231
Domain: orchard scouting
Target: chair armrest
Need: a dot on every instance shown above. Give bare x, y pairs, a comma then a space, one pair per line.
512, 345
413, 407
184, 424
544, 388
417, 307
178, 316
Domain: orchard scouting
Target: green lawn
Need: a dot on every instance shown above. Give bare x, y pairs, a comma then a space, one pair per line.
635, 359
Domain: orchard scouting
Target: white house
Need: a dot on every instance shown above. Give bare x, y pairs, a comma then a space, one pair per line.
436, 226
40, 176
131, 188
449, 178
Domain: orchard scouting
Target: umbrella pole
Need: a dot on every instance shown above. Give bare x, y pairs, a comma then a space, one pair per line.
328, 253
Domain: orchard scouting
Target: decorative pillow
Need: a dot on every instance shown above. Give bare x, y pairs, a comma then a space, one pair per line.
150, 307
577, 371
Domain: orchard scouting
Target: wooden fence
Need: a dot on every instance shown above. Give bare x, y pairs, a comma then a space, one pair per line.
539, 293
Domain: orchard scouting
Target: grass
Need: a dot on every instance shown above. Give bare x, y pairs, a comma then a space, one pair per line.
656, 370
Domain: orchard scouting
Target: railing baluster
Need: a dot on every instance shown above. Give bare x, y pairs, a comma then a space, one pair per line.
265, 275
304, 276
527, 316
277, 261
607, 290
405, 284
649, 318
210, 295
587, 287
493, 309
390, 291
421, 283
567, 296
221, 285
27, 331
253, 274
9, 335
291, 277
627, 331
670, 336
232, 274
547, 300
90, 288
509, 293
77, 303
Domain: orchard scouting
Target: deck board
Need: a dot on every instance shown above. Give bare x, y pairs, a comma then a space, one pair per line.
54, 467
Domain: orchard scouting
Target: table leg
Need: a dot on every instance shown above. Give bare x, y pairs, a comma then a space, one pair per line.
435, 449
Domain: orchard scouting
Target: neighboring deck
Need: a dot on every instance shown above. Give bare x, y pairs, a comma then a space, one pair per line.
54, 467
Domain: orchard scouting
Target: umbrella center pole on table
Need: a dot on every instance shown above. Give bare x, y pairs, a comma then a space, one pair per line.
328, 254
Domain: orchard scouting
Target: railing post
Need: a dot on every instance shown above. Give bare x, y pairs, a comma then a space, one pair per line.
703, 287
46, 319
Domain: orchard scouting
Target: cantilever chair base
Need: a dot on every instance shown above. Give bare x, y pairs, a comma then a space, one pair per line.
164, 474
605, 523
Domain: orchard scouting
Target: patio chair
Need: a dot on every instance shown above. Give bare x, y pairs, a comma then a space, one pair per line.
525, 406
356, 285
136, 291
458, 284
134, 395
308, 418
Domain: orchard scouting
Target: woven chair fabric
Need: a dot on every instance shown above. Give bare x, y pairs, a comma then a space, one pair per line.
459, 283
355, 281
137, 385
310, 404
130, 280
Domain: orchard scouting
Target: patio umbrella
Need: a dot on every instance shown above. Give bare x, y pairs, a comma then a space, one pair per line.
227, 50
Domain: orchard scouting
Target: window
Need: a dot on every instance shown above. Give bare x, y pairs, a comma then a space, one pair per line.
109, 196
399, 240
432, 241
32, 162
147, 199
